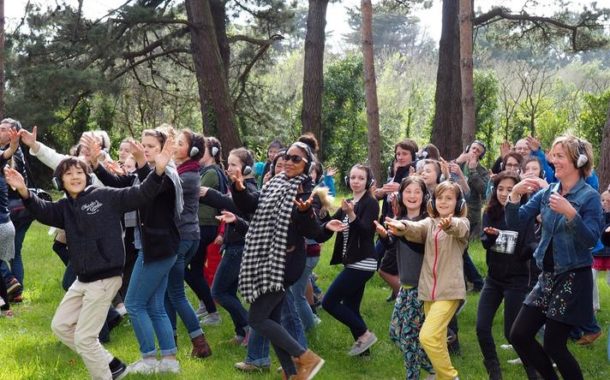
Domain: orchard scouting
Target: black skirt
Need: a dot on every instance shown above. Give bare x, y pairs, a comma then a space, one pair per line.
566, 297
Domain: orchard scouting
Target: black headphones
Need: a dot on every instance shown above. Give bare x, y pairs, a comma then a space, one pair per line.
246, 169
582, 156
58, 183
279, 154
308, 151
369, 176
459, 205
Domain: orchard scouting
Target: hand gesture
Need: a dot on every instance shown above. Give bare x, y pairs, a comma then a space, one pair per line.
456, 169
491, 231
526, 186
390, 187
444, 168
114, 167
533, 143
137, 151
335, 225
13, 136
464, 157
238, 179
395, 205
562, 206
395, 227
303, 206
347, 206
165, 156
94, 149
226, 217
445, 223
203, 190
15, 181
504, 149
219, 239
381, 231
331, 171
28, 138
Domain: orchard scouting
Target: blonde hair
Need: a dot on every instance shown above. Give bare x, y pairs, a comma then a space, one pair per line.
574, 147
439, 190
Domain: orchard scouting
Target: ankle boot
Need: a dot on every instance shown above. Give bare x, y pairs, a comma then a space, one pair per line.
493, 369
308, 365
201, 348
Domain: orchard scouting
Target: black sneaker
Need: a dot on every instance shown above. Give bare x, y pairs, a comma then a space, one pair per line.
118, 369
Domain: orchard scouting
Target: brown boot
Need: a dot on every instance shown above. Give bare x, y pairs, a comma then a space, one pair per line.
201, 348
307, 365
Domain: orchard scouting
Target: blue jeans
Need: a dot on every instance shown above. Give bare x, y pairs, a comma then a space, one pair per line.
146, 308
194, 270
16, 269
175, 297
343, 297
299, 288
224, 289
258, 345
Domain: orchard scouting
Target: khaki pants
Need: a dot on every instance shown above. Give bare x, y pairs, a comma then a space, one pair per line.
79, 319
433, 336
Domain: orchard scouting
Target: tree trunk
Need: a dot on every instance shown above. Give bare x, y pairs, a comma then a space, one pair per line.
313, 73
219, 15
370, 91
2, 59
604, 159
447, 125
210, 72
468, 112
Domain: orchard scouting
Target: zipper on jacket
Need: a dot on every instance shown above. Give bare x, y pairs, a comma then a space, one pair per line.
435, 262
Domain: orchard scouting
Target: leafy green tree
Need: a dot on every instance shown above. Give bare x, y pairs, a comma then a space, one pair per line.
486, 108
592, 120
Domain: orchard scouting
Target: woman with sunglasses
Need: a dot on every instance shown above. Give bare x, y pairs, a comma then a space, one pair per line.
274, 254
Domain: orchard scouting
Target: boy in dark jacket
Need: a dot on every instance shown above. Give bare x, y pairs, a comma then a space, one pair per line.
91, 217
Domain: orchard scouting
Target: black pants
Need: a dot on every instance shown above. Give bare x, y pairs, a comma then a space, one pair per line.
4, 295
491, 297
264, 316
556, 334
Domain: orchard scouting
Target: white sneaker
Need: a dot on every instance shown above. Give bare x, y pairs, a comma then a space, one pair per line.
121, 310
212, 319
168, 366
506, 346
144, 366
515, 361
202, 311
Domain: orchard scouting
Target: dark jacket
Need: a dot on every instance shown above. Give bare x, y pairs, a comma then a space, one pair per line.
507, 258
233, 235
302, 225
160, 236
360, 241
605, 237
92, 222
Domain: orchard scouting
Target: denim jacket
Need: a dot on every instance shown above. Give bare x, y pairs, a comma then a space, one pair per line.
572, 240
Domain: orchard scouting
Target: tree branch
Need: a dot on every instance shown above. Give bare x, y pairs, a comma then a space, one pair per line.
158, 43
255, 41
149, 58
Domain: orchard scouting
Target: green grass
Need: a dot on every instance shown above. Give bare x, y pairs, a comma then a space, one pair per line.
28, 349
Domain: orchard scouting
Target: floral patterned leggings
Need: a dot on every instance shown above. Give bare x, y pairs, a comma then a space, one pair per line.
407, 319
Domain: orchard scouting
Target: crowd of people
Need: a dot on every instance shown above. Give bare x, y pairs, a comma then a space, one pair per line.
132, 231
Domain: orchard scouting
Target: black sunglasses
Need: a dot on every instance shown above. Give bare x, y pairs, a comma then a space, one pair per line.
294, 158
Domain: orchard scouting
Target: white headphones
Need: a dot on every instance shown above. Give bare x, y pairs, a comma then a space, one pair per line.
214, 151
582, 157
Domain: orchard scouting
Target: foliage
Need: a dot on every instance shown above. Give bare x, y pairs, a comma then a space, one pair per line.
343, 119
486, 106
593, 119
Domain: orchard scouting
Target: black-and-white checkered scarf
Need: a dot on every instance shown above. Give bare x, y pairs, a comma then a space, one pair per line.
263, 262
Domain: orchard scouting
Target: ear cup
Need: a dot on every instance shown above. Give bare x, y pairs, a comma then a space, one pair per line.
194, 151
459, 206
246, 170
57, 183
89, 181
542, 174
214, 150
346, 179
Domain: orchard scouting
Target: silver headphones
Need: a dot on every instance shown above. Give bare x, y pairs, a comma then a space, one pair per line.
582, 157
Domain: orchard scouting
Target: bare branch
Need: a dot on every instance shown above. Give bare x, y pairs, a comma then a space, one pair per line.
255, 41
158, 43
149, 58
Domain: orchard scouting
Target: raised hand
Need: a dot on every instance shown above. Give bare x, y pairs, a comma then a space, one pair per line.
445, 223
504, 149
336, 226
227, 217
137, 151
28, 138
526, 186
381, 231
303, 206
491, 231
331, 171
94, 147
238, 179
533, 143
347, 206
16, 181
165, 156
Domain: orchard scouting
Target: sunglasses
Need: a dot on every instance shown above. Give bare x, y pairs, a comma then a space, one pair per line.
294, 158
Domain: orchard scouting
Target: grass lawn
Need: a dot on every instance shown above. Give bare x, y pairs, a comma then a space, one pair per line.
28, 349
